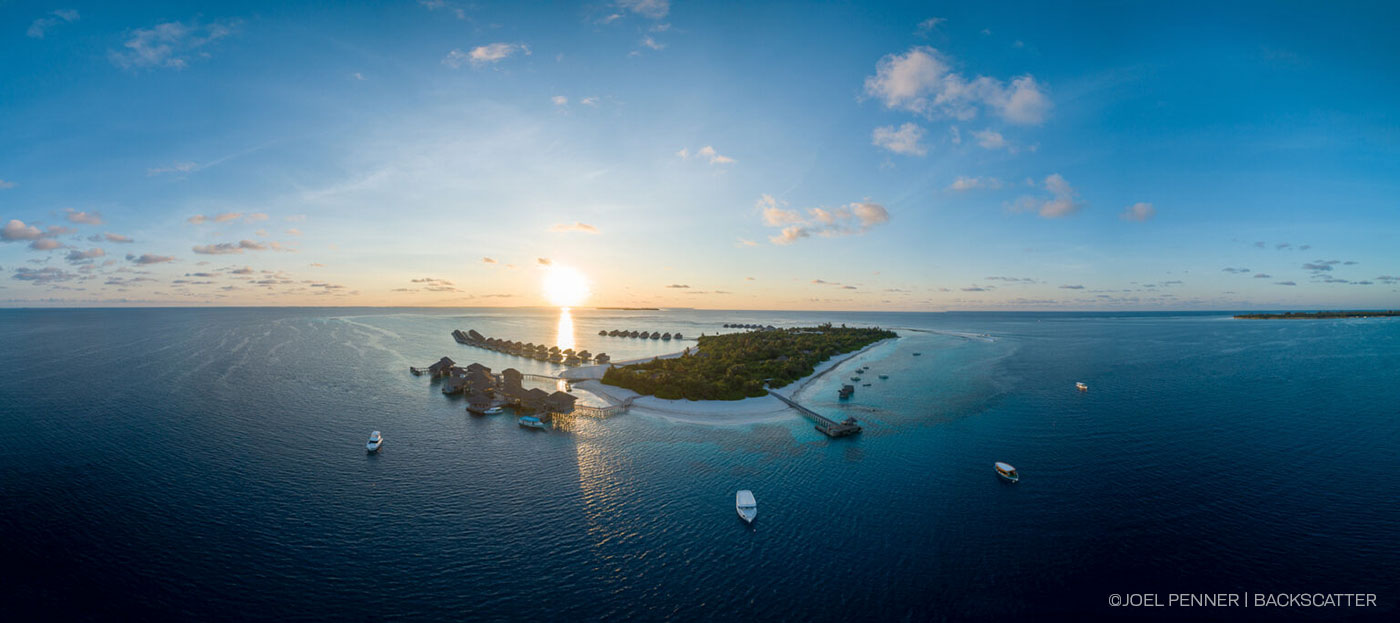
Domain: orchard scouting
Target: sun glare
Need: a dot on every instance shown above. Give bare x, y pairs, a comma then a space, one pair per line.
565, 286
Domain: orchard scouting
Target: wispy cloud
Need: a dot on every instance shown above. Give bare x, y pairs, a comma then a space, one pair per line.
925, 27
963, 183
40, 27
83, 218
178, 167
224, 217
575, 227
169, 45
435, 5
229, 248
147, 258
653, 9
921, 81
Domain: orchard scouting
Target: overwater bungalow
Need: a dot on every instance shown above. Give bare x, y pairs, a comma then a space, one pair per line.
572, 360
560, 402
632, 334
478, 403
442, 368
556, 358
666, 336
602, 358
678, 335
454, 385
585, 355
602, 332
476, 337
656, 336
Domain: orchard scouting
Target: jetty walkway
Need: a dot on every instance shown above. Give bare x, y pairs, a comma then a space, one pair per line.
826, 425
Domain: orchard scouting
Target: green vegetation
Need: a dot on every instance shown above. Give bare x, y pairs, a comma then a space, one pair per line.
1321, 314
736, 365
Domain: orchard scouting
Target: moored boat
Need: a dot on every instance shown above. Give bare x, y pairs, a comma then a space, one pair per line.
375, 440
1081, 387
746, 506
493, 411
1007, 472
530, 421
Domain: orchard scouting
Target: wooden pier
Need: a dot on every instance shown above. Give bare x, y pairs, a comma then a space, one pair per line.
828, 426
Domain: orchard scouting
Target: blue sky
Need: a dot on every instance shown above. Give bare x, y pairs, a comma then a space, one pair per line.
913, 156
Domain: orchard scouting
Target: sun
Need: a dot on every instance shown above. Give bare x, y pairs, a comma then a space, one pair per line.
565, 286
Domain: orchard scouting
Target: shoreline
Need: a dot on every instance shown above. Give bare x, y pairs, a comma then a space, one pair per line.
759, 410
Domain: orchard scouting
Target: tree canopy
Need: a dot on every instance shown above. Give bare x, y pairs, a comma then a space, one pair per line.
734, 366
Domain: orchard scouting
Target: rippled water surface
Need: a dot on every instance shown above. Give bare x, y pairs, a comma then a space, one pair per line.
209, 464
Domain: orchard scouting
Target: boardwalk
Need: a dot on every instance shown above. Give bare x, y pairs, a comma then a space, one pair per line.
830, 427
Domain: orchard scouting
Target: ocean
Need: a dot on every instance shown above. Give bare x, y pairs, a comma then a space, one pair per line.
209, 464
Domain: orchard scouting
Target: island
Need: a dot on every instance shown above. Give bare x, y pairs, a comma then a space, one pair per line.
1321, 315
742, 365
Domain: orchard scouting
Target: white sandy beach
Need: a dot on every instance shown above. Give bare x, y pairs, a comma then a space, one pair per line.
706, 412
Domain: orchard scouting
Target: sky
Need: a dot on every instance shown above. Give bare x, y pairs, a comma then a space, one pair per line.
724, 155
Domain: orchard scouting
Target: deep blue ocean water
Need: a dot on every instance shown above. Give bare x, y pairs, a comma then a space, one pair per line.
209, 464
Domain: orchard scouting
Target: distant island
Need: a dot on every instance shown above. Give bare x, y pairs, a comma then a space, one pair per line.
1321, 314
630, 308
735, 366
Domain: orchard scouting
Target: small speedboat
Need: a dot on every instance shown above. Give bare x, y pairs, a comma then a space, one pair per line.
884, 377
1007, 472
531, 421
493, 411
1081, 387
746, 506
917, 354
375, 440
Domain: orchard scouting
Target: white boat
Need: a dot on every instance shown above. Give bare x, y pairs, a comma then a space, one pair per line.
375, 440
1007, 472
1081, 387
746, 506
494, 411
531, 421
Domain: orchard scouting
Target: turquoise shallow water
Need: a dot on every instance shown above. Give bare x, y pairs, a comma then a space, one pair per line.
210, 464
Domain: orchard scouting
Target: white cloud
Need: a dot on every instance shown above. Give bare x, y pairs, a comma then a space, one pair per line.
168, 45
964, 183
904, 140
589, 101
921, 81
40, 26
485, 54
990, 139
1139, 212
111, 237
649, 42
4, 184
654, 9
847, 220
16, 230
1063, 200
559, 100
713, 156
